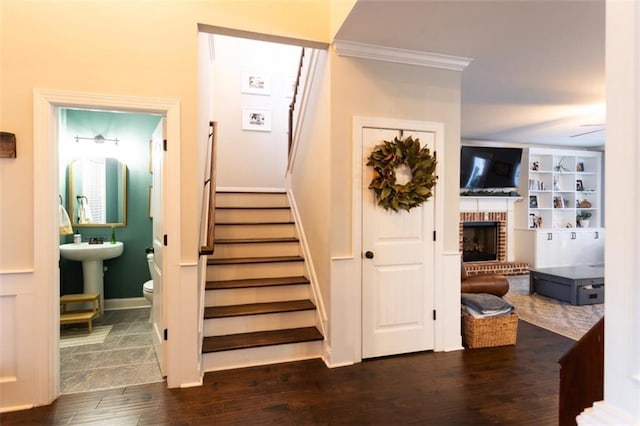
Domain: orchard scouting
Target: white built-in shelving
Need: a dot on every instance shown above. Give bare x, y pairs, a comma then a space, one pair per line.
557, 186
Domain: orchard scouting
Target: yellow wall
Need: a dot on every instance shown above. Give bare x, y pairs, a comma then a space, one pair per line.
133, 48
339, 11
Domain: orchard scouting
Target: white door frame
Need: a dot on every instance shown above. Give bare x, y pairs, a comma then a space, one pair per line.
46, 104
360, 123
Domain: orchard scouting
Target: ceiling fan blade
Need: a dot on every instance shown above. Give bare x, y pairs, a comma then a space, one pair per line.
586, 133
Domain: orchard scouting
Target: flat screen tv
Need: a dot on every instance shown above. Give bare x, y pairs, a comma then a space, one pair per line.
485, 169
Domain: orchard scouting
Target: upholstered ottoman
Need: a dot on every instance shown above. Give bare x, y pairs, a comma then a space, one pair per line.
484, 283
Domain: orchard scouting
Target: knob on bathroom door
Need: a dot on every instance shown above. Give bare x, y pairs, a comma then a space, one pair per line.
368, 255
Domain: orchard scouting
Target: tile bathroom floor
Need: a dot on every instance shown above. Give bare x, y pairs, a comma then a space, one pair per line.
126, 357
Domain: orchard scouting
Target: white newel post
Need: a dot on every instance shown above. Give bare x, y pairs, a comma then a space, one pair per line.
621, 405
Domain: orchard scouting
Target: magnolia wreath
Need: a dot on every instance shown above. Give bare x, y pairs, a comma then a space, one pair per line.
385, 160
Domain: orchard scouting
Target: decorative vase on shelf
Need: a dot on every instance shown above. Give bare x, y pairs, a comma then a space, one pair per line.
584, 223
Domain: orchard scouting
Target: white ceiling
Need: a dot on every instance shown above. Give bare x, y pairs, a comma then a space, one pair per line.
537, 74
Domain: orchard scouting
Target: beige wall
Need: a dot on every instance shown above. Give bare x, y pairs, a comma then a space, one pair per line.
126, 48
323, 173
369, 88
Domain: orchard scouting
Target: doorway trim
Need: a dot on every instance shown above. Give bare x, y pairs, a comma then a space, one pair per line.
360, 123
46, 104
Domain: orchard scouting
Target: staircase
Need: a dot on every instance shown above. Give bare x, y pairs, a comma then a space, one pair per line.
258, 307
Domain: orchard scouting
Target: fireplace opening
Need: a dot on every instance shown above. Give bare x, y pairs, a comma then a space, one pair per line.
479, 241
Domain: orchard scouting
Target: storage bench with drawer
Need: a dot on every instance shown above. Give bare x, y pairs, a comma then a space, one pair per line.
578, 285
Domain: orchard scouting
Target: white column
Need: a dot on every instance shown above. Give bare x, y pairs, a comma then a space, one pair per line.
621, 405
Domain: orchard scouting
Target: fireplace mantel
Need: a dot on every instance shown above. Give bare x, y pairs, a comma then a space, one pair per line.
487, 203
490, 197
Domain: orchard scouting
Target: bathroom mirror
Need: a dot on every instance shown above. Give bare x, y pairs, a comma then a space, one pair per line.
97, 188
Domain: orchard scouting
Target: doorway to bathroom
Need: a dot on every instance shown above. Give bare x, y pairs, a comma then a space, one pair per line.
46, 332
106, 178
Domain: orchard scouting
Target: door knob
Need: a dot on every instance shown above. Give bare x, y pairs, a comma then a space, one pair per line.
368, 255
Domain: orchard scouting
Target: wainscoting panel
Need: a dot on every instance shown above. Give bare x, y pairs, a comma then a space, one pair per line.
17, 341
8, 337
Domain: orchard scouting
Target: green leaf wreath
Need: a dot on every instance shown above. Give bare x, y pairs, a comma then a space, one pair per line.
385, 159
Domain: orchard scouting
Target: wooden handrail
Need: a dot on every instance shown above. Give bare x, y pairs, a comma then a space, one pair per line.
209, 195
292, 106
582, 375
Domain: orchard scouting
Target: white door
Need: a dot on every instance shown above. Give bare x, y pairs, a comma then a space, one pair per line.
397, 282
157, 154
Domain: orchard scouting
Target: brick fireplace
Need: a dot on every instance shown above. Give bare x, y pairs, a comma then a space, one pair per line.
486, 213
499, 218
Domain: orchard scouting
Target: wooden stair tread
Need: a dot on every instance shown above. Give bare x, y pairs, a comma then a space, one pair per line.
260, 339
258, 308
284, 222
251, 192
255, 282
244, 260
253, 208
256, 240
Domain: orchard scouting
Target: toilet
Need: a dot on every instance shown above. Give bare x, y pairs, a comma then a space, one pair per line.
147, 287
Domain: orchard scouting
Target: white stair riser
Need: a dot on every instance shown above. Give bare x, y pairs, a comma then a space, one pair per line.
254, 270
255, 231
223, 251
251, 323
253, 215
225, 360
265, 199
256, 295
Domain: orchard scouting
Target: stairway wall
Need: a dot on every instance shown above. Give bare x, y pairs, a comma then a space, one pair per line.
264, 153
309, 180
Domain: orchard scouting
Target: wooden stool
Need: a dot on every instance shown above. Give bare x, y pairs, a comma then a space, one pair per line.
81, 315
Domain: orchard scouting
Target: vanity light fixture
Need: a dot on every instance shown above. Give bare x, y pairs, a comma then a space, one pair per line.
98, 139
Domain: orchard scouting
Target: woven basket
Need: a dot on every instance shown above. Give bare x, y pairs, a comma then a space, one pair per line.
489, 332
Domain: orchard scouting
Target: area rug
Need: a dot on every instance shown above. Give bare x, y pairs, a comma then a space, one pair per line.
79, 337
551, 314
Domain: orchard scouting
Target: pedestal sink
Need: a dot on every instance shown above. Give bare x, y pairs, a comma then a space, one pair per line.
91, 256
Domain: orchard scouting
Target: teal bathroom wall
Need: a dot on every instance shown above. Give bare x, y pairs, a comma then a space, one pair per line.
125, 274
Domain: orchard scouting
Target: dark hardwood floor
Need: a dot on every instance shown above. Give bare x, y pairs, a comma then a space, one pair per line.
510, 385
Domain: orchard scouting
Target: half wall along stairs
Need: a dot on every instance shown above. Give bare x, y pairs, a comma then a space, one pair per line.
258, 307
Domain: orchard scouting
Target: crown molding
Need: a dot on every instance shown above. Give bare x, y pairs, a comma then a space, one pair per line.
400, 56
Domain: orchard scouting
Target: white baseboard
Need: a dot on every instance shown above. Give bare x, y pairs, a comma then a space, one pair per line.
602, 413
191, 384
16, 408
128, 303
